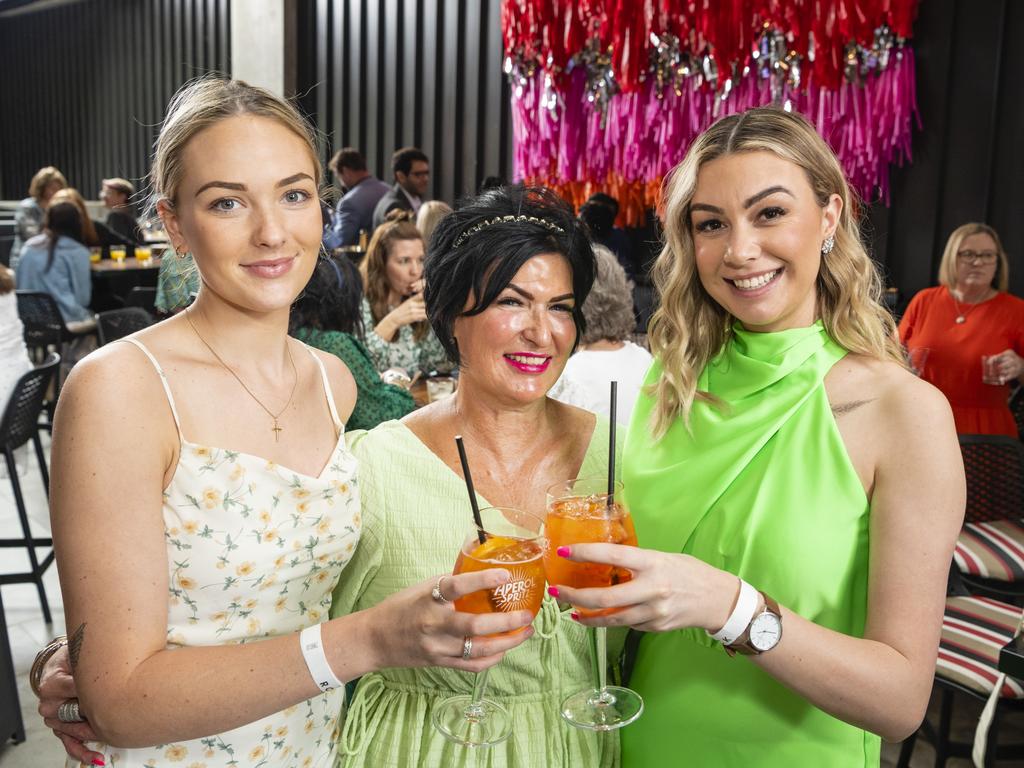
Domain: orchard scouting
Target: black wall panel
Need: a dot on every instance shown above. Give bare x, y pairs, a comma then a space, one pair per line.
85, 85
382, 74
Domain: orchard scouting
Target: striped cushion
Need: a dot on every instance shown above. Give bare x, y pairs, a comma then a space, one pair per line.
992, 550
974, 629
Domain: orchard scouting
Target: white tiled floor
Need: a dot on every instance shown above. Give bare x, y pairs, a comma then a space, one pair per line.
28, 633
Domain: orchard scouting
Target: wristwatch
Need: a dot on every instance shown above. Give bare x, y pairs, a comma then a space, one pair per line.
763, 633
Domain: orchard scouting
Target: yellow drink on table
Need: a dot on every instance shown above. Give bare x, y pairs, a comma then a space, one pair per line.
143, 253
117, 253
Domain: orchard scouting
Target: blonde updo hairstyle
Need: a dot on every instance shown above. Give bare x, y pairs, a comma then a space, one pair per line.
689, 328
202, 103
947, 267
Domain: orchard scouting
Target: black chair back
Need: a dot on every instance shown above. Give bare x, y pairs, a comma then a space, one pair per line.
994, 465
142, 297
1017, 408
41, 317
21, 417
118, 323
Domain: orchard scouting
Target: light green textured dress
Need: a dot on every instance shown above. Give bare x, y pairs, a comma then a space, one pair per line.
764, 489
415, 513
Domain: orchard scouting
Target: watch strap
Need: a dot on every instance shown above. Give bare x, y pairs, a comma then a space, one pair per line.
741, 616
745, 648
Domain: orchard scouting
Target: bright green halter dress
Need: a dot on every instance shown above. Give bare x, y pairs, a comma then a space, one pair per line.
763, 488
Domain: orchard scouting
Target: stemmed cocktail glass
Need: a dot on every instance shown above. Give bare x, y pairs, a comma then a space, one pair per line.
511, 539
583, 511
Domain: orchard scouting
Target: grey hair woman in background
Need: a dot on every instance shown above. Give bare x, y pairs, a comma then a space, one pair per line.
606, 352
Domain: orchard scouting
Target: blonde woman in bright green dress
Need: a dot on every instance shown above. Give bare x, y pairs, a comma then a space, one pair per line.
505, 300
781, 443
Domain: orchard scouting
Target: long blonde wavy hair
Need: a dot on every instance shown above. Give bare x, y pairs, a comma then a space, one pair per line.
689, 328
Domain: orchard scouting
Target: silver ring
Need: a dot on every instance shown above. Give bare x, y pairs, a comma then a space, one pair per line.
467, 648
68, 712
436, 592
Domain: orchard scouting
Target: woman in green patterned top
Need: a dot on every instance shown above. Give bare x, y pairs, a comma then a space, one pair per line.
327, 316
394, 315
796, 491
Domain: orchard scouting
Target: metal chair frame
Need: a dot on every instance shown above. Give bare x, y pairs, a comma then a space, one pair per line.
19, 424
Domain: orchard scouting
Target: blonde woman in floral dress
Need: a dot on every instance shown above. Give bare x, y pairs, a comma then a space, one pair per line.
204, 502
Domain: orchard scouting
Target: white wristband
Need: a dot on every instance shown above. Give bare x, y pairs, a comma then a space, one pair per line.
316, 660
740, 617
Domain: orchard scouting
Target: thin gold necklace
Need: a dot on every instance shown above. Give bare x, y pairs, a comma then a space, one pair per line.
275, 416
961, 315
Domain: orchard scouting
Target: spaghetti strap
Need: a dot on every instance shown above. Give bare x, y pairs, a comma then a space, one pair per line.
339, 425
163, 380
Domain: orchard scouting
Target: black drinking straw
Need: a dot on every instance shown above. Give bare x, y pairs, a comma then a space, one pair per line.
469, 487
611, 443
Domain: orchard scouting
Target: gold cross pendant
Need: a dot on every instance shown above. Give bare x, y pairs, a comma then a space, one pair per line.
276, 429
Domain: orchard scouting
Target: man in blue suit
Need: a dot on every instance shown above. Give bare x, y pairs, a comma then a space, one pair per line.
354, 212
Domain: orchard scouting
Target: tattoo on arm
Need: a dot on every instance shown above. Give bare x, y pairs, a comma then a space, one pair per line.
75, 645
853, 405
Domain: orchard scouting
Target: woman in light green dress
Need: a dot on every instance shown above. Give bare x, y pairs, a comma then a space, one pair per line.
782, 442
505, 285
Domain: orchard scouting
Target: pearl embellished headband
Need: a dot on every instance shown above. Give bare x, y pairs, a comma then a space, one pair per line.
504, 220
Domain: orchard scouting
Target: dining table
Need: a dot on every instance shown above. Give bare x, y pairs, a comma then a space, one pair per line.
113, 280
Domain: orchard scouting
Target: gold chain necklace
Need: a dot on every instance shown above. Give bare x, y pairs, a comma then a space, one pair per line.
961, 315
275, 416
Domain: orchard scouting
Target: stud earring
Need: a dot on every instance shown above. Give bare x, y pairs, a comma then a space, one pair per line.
828, 245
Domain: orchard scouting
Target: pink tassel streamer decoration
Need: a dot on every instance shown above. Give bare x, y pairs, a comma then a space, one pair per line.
578, 131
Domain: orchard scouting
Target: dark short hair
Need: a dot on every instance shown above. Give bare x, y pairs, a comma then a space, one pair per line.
403, 159
331, 300
603, 198
492, 182
599, 218
472, 255
350, 158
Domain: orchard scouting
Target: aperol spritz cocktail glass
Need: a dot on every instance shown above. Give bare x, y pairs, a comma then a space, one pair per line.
513, 540
582, 512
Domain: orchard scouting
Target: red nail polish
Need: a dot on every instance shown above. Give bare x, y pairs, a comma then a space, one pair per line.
574, 616
563, 551
98, 761
553, 591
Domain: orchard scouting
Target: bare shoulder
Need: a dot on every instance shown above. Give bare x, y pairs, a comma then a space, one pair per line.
892, 392
343, 385
117, 378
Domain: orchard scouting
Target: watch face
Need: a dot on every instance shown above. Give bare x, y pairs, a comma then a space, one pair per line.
765, 631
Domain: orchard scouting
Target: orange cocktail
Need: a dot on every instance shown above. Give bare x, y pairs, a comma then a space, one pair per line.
522, 558
513, 540
589, 510
584, 520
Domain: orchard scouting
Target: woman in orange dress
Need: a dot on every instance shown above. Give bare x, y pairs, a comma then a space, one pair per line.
967, 317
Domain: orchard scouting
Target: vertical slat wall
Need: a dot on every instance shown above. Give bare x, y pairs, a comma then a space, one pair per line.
382, 74
85, 85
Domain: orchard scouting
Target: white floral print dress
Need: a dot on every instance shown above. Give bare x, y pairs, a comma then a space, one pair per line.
253, 550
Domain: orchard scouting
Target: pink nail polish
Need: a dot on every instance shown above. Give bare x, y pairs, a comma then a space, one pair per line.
553, 591
574, 616
563, 551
